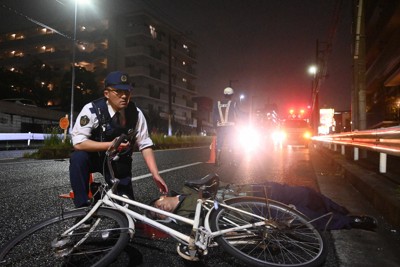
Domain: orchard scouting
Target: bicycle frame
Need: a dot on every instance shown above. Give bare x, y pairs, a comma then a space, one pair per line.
200, 236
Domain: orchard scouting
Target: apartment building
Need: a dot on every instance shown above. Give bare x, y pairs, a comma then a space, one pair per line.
382, 60
160, 59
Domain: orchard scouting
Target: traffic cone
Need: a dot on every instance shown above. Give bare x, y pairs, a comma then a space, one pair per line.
212, 150
71, 193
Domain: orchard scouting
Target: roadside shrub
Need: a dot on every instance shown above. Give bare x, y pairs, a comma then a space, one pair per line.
55, 147
164, 142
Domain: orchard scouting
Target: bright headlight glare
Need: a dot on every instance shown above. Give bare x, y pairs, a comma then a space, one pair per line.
278, 136
249, 138
307, 135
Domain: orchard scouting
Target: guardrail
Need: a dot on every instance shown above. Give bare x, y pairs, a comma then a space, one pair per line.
385, 141
26, 136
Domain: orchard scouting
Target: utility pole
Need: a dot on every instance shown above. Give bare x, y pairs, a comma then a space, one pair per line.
358, 112
169, 86
232, 81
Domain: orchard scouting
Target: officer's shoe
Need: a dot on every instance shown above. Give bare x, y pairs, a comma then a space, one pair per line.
363, 222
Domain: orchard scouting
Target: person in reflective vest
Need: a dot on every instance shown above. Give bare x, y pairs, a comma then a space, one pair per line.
97, 125
224, 120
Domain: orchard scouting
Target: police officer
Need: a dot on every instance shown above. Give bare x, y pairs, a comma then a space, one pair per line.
97, 125
224, 118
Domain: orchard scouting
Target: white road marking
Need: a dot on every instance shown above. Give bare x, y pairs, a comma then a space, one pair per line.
164, 171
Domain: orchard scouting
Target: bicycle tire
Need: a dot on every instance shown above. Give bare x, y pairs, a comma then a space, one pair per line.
287, 239
33, 247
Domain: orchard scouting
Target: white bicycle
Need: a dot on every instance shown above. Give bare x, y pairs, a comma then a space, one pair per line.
257, 231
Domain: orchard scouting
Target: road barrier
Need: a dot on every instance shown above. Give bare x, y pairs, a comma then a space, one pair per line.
26, 136
385, 141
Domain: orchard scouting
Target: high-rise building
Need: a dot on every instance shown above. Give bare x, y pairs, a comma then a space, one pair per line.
382, 61
160, 58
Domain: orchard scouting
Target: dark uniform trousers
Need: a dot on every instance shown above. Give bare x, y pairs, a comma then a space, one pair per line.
83, 163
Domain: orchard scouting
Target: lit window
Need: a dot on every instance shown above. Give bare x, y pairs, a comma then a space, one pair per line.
153, 31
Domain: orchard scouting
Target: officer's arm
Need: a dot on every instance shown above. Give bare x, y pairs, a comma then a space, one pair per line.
150, 160
92, 146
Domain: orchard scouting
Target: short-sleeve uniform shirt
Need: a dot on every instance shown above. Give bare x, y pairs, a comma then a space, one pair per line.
87, 121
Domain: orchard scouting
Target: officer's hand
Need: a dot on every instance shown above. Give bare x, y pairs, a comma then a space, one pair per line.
124, 146
161, 185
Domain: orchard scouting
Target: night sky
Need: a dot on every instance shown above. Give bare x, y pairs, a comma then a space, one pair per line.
263, 47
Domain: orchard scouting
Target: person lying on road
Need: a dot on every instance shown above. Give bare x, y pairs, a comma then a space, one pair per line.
306, 200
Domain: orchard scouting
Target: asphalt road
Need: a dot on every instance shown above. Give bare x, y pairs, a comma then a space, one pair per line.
30, 190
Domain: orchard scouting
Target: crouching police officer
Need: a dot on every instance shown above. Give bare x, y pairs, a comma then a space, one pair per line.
97, 125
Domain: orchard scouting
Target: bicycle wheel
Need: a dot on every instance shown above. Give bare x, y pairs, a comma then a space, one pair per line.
42, 245
286, 239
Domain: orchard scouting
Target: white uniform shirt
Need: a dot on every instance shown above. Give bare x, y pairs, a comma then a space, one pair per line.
83, 131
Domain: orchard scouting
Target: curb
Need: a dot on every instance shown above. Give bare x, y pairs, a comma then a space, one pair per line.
383, 194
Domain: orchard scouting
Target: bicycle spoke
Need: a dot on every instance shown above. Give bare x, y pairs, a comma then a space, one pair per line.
285, 238
42, 245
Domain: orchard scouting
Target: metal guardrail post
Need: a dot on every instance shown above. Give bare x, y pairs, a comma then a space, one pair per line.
356, 154
382, 162
29, 139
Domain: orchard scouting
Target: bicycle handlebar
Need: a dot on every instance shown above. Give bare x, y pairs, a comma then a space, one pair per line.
119, 140
113, 148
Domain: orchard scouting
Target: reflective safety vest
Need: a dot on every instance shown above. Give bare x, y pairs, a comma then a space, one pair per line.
224, 117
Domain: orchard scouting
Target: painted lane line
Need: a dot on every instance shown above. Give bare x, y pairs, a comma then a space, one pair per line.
164, 171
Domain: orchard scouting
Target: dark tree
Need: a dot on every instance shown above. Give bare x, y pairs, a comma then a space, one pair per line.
85, 89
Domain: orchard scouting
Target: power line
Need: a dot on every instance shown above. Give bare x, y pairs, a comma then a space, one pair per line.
35, 21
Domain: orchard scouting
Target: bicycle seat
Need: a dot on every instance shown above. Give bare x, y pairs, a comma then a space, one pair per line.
209, 184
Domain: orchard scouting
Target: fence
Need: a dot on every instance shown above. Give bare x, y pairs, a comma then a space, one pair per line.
26, 136
385, 141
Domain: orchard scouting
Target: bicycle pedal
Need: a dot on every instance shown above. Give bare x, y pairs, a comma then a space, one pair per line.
185, 253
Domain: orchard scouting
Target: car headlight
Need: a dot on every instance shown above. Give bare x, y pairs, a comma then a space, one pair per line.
307, 135
249, 138
278, 136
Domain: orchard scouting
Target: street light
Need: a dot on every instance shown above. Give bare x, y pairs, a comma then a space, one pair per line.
73, 61
313, 70
73, 69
